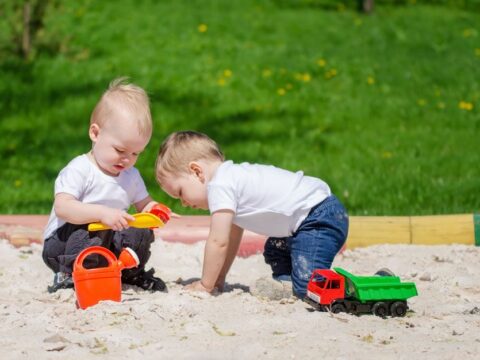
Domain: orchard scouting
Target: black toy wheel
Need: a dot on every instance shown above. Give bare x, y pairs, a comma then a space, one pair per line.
337, 308
398, 308
384, 272
380, 309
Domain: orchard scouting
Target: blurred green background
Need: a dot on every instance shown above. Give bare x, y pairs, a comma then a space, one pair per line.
384, 107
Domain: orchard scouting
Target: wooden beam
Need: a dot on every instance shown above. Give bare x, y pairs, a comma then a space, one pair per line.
443, 229
417, 230
371, 230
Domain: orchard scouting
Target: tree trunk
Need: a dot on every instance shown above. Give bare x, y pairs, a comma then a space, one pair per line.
26, 38
366, 6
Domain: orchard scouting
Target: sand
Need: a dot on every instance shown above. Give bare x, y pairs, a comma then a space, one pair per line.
443, 323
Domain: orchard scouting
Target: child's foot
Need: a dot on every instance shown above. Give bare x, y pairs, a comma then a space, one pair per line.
147, 281
384, 272
61, 280
269, 288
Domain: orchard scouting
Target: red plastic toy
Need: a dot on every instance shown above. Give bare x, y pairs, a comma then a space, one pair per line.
104, 283
161, 211
339, 291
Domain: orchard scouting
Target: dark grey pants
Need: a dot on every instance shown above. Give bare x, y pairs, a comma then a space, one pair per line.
62, 248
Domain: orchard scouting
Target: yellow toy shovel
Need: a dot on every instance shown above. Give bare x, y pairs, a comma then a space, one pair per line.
142, 220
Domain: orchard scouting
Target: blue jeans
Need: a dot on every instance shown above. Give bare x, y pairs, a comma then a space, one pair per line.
313, 246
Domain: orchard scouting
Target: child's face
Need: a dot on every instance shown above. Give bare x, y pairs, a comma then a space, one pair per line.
116, 146
190, 188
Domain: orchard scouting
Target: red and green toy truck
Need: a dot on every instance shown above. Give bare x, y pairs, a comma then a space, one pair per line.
339, 291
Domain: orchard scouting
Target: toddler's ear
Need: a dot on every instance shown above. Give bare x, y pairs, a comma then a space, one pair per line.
196, 170
93, 131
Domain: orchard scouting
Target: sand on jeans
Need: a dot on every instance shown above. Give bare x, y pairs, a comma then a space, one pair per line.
443, 322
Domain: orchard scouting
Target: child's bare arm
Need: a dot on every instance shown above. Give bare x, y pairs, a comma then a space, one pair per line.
236, 234
145, 205
216, 250
68, 208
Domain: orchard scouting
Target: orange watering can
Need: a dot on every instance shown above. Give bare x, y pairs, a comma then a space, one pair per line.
104, 283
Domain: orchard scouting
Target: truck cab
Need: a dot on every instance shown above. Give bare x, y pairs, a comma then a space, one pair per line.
326, 286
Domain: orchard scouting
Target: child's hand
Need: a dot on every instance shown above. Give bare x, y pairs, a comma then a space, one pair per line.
198, 286
116, 219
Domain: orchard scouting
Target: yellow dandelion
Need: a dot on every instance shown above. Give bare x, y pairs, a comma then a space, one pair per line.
266, 73
306, 77
80, 12
321, 62
387, 154
370, 80
421, 102
465, 105
331, 74
281, 91
468, 33
17, 183
227, 73
441, 105
202, 28
477, 52
82, 55
221, 82
289, 86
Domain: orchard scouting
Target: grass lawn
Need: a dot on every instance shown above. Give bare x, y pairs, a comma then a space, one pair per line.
385, 108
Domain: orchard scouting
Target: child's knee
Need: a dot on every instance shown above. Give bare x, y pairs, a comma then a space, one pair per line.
80, 240
50, 253
137, 238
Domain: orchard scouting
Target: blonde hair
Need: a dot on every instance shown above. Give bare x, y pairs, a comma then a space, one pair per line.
127, 97
182, 147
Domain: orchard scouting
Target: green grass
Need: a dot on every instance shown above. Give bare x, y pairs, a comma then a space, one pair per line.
398, 146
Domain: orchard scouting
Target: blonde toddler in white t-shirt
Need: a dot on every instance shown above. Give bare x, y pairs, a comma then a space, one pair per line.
306, 225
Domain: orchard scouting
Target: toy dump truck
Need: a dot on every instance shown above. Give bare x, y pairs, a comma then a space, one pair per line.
339, 291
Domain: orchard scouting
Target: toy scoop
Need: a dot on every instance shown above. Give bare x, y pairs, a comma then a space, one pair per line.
142, 220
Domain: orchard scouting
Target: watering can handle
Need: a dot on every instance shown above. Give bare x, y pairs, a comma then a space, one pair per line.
107, 254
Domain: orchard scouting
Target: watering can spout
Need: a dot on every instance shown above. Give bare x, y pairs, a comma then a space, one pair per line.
128, 259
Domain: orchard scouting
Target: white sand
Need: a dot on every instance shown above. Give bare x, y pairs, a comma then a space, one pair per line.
444, 323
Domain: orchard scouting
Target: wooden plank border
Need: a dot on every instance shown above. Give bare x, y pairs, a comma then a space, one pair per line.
416, 230
21, 230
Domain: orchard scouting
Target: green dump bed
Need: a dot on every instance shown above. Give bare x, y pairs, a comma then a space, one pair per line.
373, 288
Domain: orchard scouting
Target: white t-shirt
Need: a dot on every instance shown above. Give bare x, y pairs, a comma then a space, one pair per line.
88, 184
265, 199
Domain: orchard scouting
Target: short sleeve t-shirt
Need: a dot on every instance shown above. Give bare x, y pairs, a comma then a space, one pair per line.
88, 184
265, 199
